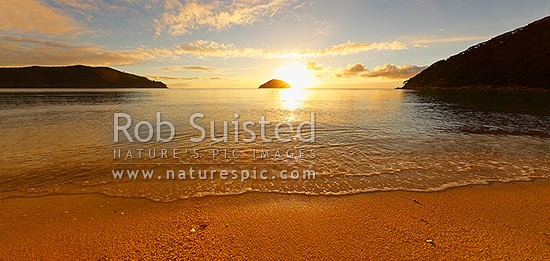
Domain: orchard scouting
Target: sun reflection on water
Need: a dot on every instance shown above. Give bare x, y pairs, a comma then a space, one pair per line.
292, 99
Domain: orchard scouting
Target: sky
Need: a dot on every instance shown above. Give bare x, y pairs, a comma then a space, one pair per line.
244, 43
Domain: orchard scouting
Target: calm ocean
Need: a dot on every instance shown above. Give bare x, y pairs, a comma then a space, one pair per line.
61, 141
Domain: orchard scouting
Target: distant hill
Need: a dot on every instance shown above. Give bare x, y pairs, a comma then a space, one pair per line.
77, 76
275, 84
517, 59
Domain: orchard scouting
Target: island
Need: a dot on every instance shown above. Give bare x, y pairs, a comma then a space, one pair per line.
275, 84
77, 76
519, 59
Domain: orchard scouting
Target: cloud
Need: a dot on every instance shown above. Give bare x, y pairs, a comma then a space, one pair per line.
391, 71
313, 65
203, 49
355, 69
189, 68
388, 71
33, 16
20, 51
94, 10
421, 42
88, 6
157, 77
302, 5
180, 18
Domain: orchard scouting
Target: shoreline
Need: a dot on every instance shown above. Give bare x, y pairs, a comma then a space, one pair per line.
86, 88
475, 221
477, 88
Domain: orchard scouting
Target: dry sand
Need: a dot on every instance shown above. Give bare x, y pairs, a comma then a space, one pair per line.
490, 221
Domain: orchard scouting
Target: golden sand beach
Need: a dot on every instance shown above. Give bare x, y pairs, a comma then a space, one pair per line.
510, 221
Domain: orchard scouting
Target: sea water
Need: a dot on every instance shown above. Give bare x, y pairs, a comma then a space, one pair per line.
61, 141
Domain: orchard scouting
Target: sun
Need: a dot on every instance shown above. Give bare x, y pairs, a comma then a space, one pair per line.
294, 74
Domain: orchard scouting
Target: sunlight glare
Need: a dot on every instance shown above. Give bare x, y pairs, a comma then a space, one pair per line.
294, 74
292, 99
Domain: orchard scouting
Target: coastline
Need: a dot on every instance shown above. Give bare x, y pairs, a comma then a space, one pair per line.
476, 88
83, 88
480, 221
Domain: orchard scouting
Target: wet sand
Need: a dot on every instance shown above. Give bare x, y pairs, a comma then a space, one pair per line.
488, 221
